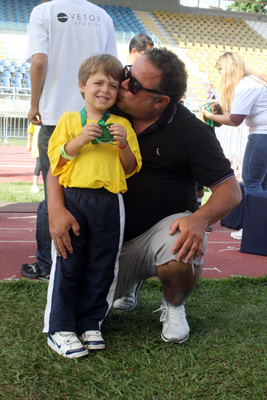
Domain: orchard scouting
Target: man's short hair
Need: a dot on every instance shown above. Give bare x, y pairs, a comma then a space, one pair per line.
174, 75
105, 63
140, 42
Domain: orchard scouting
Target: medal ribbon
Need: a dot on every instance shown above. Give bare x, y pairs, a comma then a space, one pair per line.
101, 122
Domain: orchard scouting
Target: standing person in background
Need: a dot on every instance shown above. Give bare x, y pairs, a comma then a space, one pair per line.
138, 45
62, 34
211, 92
244, 97
32, 145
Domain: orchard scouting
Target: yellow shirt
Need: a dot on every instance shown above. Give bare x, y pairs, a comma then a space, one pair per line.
97, 165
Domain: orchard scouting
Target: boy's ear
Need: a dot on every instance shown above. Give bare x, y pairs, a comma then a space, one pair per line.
81, 86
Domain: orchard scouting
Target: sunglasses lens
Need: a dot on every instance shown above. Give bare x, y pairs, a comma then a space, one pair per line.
133, 86
127, 72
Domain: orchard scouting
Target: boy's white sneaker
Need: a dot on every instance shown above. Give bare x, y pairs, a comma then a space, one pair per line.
66, 344
93, 340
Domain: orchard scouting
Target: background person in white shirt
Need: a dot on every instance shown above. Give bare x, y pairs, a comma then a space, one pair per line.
244, 97
62, 33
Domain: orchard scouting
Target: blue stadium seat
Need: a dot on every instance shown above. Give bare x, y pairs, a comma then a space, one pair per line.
18, 75
15, 63
5, 81
26, 65
27, 84
4, 62
7, 74
22, 69
11, 69
17, 82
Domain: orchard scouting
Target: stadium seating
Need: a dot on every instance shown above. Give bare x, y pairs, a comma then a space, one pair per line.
124, 19
14, 74
17, 11
5, 82
17, 82
206, 37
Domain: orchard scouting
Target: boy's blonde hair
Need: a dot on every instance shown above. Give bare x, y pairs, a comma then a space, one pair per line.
233, 70
105, 63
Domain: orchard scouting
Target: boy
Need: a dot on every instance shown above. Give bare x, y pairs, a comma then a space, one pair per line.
93, 160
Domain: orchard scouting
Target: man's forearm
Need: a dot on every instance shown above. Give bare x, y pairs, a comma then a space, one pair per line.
55, 195
37, 73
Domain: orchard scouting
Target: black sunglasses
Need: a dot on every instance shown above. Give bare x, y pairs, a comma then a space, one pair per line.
133, 85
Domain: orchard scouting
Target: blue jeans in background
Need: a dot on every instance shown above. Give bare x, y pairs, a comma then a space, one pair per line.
43, 239
254, 171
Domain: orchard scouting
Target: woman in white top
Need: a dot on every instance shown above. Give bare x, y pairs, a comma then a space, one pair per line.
244, 97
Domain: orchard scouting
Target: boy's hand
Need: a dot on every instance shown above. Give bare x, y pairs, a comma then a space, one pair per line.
90, 132
119, 133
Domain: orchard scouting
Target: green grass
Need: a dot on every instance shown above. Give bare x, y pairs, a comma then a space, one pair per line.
20, 192
15, 142
225, 357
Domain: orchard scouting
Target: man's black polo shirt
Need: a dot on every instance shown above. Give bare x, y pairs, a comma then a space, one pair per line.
177, 152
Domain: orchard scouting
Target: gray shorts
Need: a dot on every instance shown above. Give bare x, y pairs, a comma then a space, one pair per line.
140, 256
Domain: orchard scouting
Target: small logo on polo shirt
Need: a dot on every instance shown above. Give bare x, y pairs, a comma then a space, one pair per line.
62, 17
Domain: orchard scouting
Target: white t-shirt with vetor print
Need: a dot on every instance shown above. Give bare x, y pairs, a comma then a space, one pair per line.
68, 32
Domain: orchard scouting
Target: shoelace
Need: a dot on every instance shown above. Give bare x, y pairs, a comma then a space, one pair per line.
34, 267
171, 313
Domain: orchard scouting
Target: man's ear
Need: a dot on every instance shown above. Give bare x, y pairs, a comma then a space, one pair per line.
162, 101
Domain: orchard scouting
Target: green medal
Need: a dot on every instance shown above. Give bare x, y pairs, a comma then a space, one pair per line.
208, 121
105, 137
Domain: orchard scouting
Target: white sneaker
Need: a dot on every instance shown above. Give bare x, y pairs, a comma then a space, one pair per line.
129, 301
66, 344
93, 340
237, 235
35, 189
175, 328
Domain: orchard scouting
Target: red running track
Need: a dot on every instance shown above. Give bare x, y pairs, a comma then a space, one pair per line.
18, 227
16, 164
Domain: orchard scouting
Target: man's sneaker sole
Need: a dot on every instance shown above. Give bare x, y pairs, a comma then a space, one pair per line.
174, 340
77, 353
